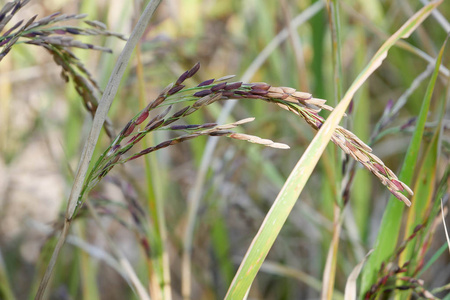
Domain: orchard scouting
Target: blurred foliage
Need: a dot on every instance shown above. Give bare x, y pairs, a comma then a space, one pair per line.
43, 125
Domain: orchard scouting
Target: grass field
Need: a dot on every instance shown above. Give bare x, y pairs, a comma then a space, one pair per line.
197, 185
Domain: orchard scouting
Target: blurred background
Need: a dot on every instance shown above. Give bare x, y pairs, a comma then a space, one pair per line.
43, 126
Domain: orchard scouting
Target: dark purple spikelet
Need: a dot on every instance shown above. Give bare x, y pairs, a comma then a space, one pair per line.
193, 70
233, 86
193, 126
206, 82
220, 133
163, 145
143, 152
242, 93
258, 92
129, 130
157, 102
180, 112
182, 78
153, 126
350, 107
202, 93
72, 30
142, 117
228, 94
136, 138
178, 127
218, 87
208, 125
175, 89
5, 41
125, 129
170, 121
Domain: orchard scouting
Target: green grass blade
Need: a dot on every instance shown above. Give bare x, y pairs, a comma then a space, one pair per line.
329, 273
424, 185
390, 225
439, 194
291, 190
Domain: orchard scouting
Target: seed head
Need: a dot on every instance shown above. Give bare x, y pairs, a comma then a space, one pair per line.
175, 89
142, 117
193, 70
206, 82
202, 93
182, 78
233, 86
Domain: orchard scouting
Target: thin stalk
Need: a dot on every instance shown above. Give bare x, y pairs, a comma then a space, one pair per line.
99, 119
329, 273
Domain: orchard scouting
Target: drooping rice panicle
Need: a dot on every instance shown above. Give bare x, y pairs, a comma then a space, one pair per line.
209, 91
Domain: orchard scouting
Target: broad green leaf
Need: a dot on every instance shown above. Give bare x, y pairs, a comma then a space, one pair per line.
424, 185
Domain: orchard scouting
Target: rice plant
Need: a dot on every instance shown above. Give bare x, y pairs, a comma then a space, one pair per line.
163, 209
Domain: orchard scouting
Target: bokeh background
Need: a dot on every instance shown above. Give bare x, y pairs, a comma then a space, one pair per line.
43, 126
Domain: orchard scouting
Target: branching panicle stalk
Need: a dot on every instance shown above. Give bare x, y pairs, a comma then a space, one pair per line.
209, 91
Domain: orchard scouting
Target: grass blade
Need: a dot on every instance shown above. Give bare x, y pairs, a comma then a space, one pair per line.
335, 179
424, 186
291, 190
